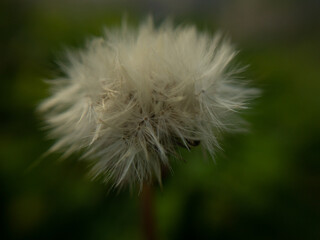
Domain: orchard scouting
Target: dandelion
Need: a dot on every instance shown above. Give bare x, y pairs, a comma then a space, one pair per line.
130, 98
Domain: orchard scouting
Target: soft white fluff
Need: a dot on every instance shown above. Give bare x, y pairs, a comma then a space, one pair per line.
130, 98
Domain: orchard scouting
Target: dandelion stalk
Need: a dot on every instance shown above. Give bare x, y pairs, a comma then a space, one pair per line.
147, 212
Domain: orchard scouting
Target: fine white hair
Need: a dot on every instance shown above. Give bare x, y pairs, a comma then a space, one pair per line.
130, 98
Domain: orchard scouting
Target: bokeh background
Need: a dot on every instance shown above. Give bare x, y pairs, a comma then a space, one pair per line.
264, 185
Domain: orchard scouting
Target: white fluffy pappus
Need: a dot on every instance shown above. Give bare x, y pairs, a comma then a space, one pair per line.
130, 98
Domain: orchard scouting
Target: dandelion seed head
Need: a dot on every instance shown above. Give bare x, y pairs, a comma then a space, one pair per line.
130, 98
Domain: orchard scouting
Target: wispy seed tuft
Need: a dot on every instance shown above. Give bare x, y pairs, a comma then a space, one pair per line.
130, 98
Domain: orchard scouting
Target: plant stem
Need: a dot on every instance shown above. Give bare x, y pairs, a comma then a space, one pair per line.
147, 208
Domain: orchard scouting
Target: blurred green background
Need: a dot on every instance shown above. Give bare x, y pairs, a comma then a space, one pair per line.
264, 185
